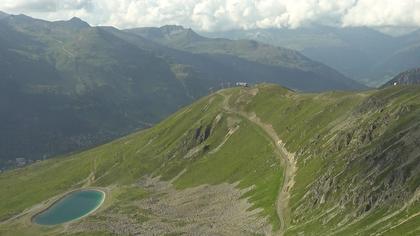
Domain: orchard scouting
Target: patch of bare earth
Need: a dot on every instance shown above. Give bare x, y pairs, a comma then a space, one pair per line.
202, 210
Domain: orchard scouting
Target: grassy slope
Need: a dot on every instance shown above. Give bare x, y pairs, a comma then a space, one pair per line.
84, 85
137, 155
324, 130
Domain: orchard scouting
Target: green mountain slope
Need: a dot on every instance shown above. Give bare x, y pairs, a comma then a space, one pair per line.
244, 161
289, 61
66, 86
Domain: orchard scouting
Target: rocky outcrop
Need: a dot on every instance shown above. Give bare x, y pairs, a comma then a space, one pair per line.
373, 166
409, 77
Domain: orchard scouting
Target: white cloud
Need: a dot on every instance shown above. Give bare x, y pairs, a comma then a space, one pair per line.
224, 14
46, 5
384, 13
53, 9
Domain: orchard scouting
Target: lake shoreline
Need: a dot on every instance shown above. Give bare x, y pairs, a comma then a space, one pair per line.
64, 195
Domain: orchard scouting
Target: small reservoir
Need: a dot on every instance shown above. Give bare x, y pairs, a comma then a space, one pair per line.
73, 206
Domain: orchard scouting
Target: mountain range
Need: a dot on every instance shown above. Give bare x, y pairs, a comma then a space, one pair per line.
154, 121
66, 86
360, 53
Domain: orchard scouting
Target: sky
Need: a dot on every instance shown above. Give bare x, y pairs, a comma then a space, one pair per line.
220, 15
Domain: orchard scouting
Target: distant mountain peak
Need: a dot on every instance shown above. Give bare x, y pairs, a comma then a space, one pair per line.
168, 33
178, 29
172, 28
76, 21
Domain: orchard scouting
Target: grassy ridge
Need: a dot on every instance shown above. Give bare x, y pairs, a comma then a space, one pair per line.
160, 151
339, 137
357, 161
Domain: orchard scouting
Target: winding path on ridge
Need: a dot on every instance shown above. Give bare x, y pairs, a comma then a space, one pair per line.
287, 158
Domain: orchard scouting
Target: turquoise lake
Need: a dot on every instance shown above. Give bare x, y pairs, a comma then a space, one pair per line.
71, 207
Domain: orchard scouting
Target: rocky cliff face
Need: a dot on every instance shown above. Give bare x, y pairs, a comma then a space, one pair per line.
373, 162
409, 77
358, 162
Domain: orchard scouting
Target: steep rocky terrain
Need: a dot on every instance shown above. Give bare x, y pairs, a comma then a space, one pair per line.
244, 161
409, 77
